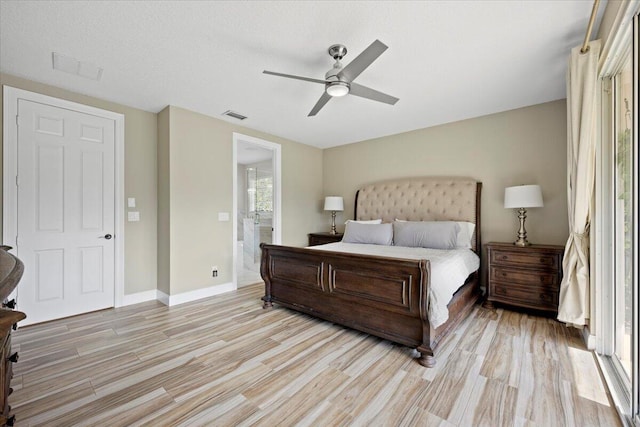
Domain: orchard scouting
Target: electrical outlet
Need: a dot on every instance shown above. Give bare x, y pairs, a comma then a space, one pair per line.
214, 271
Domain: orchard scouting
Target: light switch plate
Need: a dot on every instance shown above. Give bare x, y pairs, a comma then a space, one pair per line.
131, 202
223, 216
133, 216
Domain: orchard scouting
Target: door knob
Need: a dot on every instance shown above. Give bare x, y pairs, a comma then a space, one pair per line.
108, 236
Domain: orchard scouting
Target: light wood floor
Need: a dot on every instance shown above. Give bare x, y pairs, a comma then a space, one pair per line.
226, 361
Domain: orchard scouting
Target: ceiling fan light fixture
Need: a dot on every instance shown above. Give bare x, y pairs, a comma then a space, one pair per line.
337, 89
338, 81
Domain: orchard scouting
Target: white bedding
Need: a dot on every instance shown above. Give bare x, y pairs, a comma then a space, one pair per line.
449, 270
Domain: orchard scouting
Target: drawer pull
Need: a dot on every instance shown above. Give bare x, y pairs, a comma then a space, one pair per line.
14, 357
545, 297
504, 257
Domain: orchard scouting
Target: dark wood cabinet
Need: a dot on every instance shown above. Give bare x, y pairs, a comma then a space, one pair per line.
527, 277
324, 237
11, 270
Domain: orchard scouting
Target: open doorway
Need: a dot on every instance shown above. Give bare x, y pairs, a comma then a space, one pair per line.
256, 216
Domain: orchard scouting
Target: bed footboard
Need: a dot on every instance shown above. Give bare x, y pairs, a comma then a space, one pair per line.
385, 297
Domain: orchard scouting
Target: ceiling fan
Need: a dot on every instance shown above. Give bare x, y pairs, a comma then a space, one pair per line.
339, 80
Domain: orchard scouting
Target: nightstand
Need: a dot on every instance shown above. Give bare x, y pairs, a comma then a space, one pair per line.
324, 237
527, 277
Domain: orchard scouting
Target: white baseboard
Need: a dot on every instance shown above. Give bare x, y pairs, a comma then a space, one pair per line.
139, 297
589, 340
172, 300
184, 297
162, 297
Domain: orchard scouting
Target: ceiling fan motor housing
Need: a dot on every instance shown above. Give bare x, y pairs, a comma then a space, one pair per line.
337, 85
332, 74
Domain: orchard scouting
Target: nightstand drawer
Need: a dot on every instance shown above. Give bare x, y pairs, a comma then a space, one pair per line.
525, 259
534, 296
527, 277
504, 274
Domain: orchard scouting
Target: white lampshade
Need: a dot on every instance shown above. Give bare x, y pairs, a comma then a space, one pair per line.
333, 203
523, 196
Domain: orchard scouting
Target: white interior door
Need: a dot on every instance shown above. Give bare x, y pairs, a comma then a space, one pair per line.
65, 221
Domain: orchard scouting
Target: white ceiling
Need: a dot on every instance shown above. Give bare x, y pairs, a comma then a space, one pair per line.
447, 60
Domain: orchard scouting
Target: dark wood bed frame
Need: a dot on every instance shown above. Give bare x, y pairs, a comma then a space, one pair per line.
385, 297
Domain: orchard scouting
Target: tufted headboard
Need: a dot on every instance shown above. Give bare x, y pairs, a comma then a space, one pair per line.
422, 199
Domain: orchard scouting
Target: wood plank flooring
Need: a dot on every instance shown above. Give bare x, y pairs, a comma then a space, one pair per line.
225, 361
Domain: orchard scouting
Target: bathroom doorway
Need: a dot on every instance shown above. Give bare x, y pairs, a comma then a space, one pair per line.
256, 204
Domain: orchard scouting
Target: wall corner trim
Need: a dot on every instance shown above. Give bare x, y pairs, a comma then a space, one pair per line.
162, 297
139, 297
195, 295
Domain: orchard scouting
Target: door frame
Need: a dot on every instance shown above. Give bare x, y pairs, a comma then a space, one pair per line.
277, 192
11, 96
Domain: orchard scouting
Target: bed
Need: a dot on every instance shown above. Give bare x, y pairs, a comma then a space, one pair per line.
384, 296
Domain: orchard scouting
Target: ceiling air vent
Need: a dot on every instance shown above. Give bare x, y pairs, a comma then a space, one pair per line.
73, 66
234, 115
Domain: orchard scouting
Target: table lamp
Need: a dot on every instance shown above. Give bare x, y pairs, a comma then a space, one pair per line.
333, 204
521, 197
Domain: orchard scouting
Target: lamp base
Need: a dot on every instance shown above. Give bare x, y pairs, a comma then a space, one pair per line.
333, 223
522, 243
522, 232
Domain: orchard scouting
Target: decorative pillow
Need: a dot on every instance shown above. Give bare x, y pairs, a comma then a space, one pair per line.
465, 234
370, 221
426, 234
374, 234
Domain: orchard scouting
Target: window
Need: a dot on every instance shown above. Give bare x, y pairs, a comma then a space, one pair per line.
616, 218
259, 191
623, 202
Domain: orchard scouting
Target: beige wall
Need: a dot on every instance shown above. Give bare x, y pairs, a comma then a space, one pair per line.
201, 184
164, 196
524, 146
178, 166
140, 179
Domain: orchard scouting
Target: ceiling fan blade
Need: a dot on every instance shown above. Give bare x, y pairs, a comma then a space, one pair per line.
366, 92
290, 76
362, 61
321, 102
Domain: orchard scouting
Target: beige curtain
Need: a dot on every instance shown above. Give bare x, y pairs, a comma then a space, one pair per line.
581, 144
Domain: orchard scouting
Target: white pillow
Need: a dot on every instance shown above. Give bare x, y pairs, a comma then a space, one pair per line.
374, 234
425, 234
370, 221
465, 232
